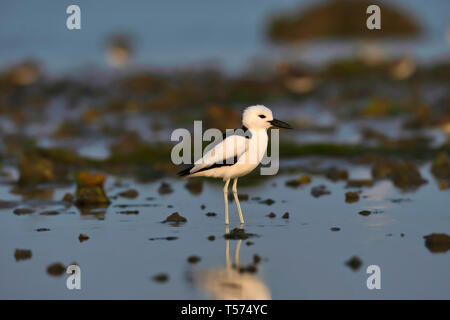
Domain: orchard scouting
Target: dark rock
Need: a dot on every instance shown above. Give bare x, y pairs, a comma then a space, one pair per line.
56, 269
269, 202
211, 238
351, 197
354, 263
364, 213
22, 254
319, 191
129, 212
90, 189
359, 183
211, 214
130, 194
175, 217
335, 229
285, 215
335, 174
238, 234
161, 278
271, 215
83, 237
42, 229
20, 211
437, 242
49, 213
194, 259
165, 188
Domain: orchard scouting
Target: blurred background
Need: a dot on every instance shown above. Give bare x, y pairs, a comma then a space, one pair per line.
371, 108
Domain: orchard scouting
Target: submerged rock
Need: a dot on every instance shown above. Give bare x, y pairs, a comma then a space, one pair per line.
271, 215
441, 166
22, 254
359, 183
269, 202
238, 234
165, 188
34, 169
351, 197
437, 242
90, 189
175, 217
285, 215
335, 174
294, 183
129, 212
49, 213
403, 175
68, 197
130, 194
319, 191
365, 213
20, 211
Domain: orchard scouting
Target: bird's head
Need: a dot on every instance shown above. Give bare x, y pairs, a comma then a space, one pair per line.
260, 117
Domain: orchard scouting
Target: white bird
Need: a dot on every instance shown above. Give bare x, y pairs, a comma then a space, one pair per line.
237, 155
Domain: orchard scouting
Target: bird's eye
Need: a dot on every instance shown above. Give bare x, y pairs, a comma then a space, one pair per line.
262, 116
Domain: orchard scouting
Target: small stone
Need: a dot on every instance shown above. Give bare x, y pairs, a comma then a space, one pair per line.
193, 259
319, 191
437, 242
354, 263
161, 278
130, 194
211, 214
249, 243
271, 215
364, 213
50, 213
83, 237
175, 217
68, 197
211, 238
335, 229
56, 269
129, 212
20, 211
269, 202
22, 254
256, 259
165, 188
42, 229
202, 207
351, 197
285, 215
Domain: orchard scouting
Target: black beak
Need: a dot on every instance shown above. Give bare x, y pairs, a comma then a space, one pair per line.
280, 124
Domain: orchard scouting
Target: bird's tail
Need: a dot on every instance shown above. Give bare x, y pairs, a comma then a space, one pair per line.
185, 172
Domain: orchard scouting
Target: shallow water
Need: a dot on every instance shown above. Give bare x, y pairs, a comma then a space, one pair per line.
301, 257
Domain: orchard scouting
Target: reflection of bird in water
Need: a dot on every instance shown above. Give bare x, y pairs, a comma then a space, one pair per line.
237, 155
230, 284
